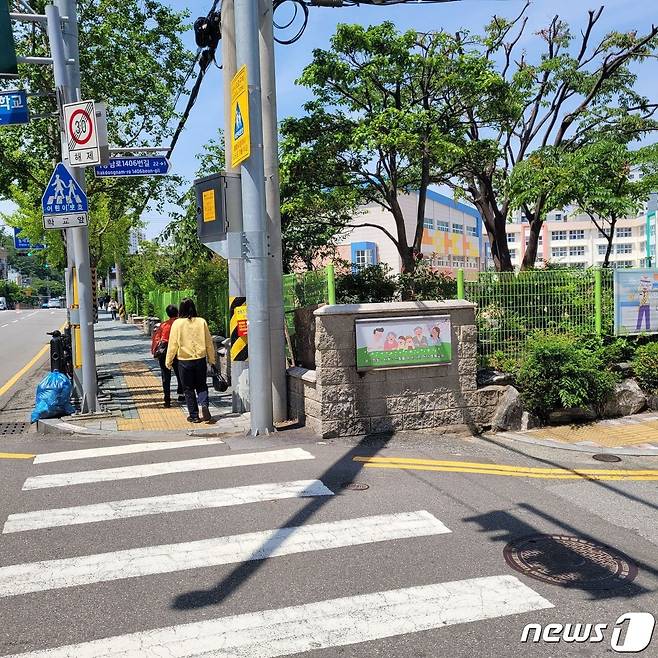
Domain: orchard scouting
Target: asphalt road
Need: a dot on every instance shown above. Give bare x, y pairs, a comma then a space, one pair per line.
22, 336
411, 566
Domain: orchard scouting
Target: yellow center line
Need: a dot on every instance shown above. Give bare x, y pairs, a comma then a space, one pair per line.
15, 455
26, 367
403, 463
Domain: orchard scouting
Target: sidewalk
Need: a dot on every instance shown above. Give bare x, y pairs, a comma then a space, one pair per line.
130, 387
632, 435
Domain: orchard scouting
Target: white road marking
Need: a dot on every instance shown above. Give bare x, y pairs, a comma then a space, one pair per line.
14, 321
18, 579
121, 450
4, 325
320, 625
123, 509
164, 468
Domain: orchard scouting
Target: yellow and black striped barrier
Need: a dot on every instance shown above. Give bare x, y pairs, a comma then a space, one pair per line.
238, 326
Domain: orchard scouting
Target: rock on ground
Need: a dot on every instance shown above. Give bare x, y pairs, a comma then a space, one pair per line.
626, 399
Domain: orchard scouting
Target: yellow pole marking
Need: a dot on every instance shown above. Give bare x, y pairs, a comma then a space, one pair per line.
26, 367
403, 463
15, 455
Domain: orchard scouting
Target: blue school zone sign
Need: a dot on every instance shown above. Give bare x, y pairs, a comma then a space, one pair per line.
63, 195
24, 243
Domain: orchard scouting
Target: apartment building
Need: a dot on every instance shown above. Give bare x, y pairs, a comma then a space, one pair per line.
452, 234
574, 241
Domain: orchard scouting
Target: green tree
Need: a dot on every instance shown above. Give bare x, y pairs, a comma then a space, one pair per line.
578, 88
132, 57
595, 179
380, 125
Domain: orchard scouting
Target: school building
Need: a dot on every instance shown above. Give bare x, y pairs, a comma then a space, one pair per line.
452, 234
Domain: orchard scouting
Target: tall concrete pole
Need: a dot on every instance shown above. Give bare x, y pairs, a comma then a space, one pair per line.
80, 235
273, 205
236, 278
255, 225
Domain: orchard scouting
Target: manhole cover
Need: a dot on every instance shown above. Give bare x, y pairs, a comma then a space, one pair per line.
355, 486
14, 428
570, 562
606, 457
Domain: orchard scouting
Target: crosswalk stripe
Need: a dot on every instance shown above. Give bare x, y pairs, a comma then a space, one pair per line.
71, 572
320, 625
195, 500
128, 449
164, 468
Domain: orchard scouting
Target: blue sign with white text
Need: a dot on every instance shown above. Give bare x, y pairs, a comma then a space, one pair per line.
24, 243
145, 166
63, 195
13, 107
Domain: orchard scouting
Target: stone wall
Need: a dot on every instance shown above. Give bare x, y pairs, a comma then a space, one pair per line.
337, 400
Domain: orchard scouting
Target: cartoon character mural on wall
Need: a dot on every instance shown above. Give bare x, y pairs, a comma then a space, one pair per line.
636, 301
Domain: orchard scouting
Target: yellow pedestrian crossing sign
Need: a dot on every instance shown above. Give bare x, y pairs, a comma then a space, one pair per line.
240, 135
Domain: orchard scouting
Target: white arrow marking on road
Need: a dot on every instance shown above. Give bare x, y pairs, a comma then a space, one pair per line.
132, 563
332, 623
123, 509
125, 449
165, 468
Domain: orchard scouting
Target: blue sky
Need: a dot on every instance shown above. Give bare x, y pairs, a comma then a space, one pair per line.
207, 115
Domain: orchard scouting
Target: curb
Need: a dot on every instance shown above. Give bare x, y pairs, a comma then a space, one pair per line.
55, 426
591, 449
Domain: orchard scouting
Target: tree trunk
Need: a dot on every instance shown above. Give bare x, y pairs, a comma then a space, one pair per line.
530, 256
495, 224
608, 249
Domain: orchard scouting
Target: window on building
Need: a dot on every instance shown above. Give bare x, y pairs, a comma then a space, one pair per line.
643, 246
457, 228
559, 252
602, 249
472, 263
428, 222
579, 265
511, 237
624, 249
558, 235
641, 230
624, 232
442, 261
623, 263
576, 251
472, 231
558, 216
457, 260
362, 257
577, 234
442, 226
512, 253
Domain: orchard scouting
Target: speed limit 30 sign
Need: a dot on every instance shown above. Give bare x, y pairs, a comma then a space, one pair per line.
81, 134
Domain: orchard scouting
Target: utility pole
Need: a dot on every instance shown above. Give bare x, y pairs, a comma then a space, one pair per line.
273, 205
236, 276
255, 225
64, 46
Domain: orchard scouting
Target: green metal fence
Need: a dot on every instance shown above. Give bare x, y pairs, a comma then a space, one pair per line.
512, 305
316, 287
306, 288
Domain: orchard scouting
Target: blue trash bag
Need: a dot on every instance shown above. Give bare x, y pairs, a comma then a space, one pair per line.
53, 397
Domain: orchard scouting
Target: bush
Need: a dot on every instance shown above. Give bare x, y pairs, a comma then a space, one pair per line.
557, 372
366, 283
645, 366
427, 283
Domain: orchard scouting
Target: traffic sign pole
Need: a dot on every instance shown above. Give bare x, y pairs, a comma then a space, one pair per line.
236, 283
64, 46
254, 223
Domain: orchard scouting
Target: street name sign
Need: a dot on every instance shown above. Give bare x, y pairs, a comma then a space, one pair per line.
24, 243
240, 133
81, 134
124, 167
64, 204
13, 107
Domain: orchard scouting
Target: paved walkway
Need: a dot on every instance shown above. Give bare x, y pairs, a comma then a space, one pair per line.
631, 435
130, 387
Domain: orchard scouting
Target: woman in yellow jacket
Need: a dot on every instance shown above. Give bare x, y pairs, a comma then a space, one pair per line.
190, 342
